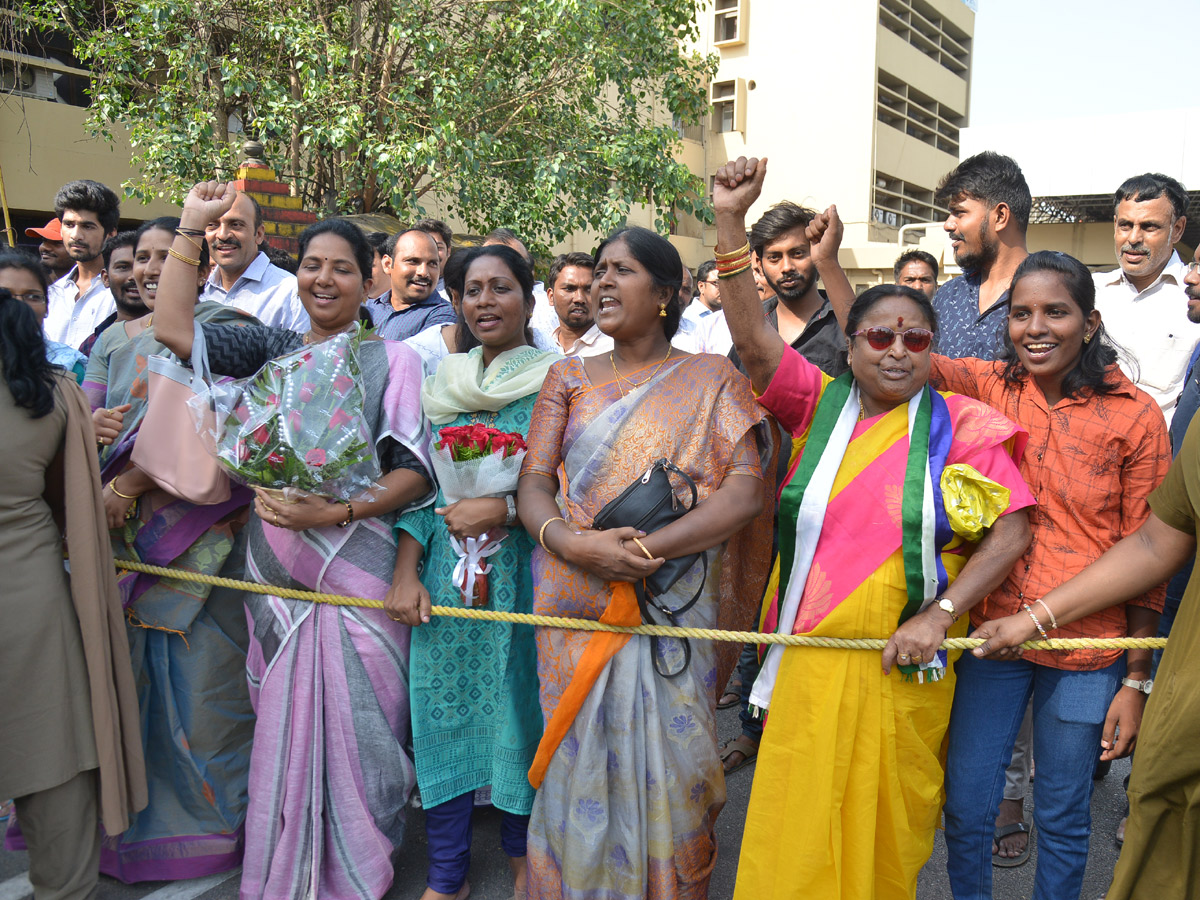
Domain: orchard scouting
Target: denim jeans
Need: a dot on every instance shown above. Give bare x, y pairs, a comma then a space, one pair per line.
1069, 707
448, 828
747, 669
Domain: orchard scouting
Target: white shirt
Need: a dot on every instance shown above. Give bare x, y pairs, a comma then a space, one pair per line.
697, 311
1152, 330
593, 342
71, 317
265, 291
545, 319
708, 334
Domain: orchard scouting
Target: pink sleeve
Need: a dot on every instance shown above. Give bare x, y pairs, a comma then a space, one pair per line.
794, 391
997, 464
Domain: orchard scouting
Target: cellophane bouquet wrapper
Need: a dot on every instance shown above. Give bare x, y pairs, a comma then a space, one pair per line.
297, 423
475, 461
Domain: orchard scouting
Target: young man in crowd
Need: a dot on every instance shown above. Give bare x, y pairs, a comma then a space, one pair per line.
79, 301
918, 270
118, 278
243, 276
52, 250
569, 288
989, 205
1142, 301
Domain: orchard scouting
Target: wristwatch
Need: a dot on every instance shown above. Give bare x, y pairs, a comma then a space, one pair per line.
511, 519
947, 605
1143, 686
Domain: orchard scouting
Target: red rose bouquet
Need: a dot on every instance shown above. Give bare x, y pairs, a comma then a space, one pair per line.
298, 422
476, 461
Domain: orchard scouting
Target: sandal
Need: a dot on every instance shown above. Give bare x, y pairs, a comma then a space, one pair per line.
1011, 862
740, 744
729, 700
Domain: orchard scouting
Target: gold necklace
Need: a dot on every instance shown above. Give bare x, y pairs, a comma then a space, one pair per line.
636, 384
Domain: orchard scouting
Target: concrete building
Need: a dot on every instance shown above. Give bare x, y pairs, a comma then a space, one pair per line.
859, 104
44, 141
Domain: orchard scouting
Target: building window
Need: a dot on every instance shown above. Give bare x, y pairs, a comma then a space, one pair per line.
908, 110
729, 105
729, 18
897, 202
919, 24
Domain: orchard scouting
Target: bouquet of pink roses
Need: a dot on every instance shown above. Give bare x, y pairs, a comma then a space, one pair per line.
476, 461
298, 422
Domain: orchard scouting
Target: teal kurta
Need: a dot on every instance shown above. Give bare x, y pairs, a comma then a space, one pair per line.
475, 711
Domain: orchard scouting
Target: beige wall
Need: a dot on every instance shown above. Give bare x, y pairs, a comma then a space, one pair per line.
44, 145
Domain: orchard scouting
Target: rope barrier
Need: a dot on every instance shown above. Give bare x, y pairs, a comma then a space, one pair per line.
711, 634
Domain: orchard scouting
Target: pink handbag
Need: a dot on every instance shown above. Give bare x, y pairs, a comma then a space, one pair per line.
169, 447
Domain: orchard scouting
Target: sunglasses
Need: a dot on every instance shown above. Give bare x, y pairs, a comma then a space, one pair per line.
881, 338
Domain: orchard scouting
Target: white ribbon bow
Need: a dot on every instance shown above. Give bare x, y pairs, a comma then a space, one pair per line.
471, 554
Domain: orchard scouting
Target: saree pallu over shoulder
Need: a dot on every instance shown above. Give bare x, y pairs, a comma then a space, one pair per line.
631, 792
330, 773
850, 767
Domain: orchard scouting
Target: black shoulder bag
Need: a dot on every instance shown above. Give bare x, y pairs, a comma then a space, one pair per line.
647, 505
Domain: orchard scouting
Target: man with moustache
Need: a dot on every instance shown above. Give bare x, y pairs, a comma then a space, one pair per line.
52, 250
989, 205
1142, 302
569, 288
79, 301
118, 278
918, 270
412, 305
243, 276
708, 296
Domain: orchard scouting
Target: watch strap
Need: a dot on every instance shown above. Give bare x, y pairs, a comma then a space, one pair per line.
1142, 686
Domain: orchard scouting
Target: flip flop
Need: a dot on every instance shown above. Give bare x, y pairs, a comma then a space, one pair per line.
740, 744
1011, 862
729, 700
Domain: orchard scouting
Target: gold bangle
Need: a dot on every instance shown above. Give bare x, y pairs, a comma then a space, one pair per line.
734, 254
113, 486
172, 252
542, 532
199, 247
649, 555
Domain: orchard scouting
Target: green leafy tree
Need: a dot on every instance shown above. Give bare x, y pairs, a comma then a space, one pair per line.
544, 115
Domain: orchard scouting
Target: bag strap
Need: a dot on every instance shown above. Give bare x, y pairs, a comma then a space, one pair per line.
669, 466
646, 602
201, 373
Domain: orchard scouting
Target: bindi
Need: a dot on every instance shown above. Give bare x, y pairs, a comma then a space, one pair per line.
900, 321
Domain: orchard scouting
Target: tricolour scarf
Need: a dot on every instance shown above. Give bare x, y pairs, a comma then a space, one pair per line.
462, 384
803, 501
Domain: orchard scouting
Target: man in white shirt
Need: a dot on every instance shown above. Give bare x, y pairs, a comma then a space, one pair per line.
569, 290
545, 320
79, 301
243, 276
708, 293
1142, 303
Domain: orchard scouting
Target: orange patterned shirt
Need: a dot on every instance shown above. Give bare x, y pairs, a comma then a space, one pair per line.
1091, 462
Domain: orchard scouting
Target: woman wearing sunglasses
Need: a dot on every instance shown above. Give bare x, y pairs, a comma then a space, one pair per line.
848, 789
1098, 446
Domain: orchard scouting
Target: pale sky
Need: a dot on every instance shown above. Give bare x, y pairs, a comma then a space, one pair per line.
1041, 59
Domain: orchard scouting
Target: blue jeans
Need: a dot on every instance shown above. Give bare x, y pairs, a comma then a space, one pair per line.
747, 669
1069, 708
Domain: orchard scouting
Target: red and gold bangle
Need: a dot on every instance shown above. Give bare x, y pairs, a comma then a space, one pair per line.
731, 271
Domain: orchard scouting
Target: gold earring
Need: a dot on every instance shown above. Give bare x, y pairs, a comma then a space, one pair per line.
1086, 338
662, 310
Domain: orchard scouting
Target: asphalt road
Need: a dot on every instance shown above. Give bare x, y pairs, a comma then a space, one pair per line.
490, 878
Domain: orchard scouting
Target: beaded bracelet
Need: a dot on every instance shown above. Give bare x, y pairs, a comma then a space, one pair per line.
346, 522
1033, 615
